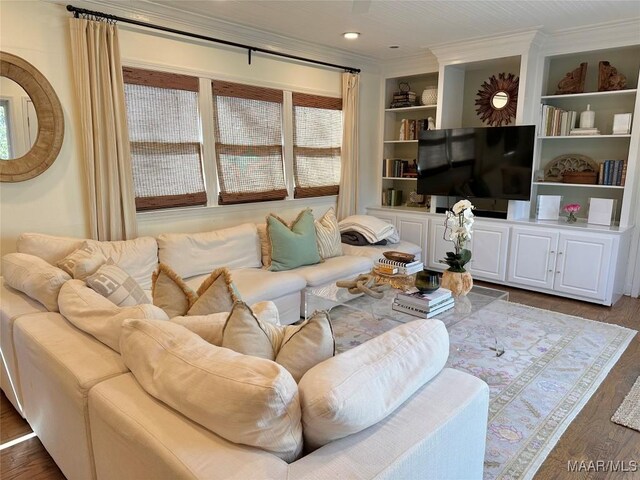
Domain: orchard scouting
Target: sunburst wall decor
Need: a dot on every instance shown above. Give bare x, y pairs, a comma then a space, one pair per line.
497, 99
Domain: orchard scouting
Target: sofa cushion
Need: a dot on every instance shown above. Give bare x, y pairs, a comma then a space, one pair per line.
97, 316
358, 388
255, 285
34, 277
48, 247
328, 235
292, 245
83, 262
215, 294
211, 326
333, 269
244, 399
374, 252
116, 285
137, 257
191, 254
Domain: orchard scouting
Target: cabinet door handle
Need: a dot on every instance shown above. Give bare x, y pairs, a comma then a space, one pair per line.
557, 271
550, 270
552, 251
559, 253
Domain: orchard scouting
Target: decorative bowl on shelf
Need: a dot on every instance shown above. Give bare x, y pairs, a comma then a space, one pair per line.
427, 281
399, 256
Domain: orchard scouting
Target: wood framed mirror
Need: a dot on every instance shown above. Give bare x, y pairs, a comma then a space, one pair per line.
498, 99
43, 149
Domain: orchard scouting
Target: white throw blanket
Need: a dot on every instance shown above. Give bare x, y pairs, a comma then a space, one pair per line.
372, 228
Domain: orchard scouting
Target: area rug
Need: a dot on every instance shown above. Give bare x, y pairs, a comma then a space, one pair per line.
552, 364
628, 414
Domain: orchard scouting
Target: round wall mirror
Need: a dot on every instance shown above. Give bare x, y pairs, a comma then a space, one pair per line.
18, 120
497, 100
31, 121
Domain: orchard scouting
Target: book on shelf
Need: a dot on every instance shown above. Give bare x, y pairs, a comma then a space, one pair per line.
584, 131
556, 121
403, 268
420, 313
601, 174
424, 300
623, 174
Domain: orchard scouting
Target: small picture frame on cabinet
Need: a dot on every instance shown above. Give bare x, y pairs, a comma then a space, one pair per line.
601, 211
548, 207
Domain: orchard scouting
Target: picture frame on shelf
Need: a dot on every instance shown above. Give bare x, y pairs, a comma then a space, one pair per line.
622, 124
548, 207
601, 211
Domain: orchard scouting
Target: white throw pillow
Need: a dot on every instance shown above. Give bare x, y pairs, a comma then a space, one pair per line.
246, 400
358, 388
328, 235
116, 285
34, 277
48, 247
97, 316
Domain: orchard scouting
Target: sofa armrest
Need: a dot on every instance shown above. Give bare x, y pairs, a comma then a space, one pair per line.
440, 433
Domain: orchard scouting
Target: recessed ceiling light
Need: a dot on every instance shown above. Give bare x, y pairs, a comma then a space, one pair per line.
351, 35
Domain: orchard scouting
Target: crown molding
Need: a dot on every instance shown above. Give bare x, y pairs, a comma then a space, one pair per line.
421, 63
593, 37
485, 48
174, 17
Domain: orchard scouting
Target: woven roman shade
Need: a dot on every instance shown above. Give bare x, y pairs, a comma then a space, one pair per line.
248, 135
317, 139
165, 139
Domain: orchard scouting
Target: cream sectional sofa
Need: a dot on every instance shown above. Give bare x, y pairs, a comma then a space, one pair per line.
96, 421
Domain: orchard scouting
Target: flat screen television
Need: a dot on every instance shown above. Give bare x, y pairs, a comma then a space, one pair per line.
491, 162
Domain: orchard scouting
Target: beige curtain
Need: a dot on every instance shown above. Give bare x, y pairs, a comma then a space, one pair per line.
348, 196
105, 140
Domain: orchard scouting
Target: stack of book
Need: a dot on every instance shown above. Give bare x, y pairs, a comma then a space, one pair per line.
410, 129
423, 305
403, 99
556, 121
584, 131
390, 267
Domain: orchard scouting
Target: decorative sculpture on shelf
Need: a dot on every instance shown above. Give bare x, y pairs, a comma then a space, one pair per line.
497, 99
573, 82
609, 78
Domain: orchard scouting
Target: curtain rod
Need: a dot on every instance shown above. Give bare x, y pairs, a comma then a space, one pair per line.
81, 11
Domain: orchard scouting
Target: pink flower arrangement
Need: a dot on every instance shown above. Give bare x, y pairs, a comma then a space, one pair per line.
571, 208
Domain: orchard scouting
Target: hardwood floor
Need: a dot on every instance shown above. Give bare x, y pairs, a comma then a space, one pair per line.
592, 436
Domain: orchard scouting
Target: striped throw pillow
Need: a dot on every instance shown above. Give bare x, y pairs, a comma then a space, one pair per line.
116, 285
328, 235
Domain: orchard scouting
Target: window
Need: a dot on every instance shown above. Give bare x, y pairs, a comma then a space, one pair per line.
248, 136
165, 139
317, 139
6, 150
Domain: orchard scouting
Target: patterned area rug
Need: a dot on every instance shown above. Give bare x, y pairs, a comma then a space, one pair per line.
628, 414
552, 364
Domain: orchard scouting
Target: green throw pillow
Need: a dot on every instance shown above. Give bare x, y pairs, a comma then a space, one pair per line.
293, 246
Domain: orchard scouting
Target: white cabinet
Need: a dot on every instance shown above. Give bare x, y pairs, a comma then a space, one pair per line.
387, 217
489, 246
414, 230
577, 264
438, 246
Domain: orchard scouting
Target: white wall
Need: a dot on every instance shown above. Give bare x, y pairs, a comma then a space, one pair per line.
54, 202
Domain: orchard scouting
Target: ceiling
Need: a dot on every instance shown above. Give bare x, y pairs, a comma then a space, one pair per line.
411, 25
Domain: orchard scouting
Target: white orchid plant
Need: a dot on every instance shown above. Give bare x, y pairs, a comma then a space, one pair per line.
458, 223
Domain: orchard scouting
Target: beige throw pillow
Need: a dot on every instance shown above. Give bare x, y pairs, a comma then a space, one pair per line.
295, 347
83, 262
265, 245
171, 293
358, 388
328, 235
116, 285
211, 326
34, 277
246, 400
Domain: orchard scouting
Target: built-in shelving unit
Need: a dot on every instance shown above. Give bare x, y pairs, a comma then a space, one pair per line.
392, 146
599, 148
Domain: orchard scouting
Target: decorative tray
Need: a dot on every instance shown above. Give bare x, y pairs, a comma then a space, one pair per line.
399, 256
572, 162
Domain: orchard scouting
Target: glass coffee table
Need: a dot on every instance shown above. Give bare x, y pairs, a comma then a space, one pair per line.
356, 318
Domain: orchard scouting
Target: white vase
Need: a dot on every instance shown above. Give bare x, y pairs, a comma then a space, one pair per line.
587, 118
430, 96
